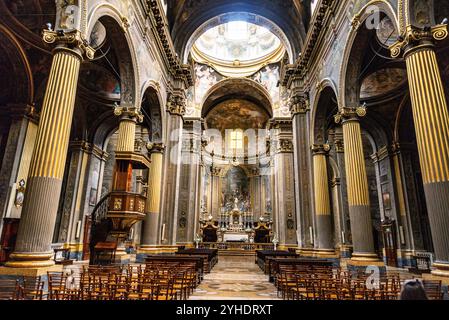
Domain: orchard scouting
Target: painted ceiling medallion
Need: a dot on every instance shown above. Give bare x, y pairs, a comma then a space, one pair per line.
238, 48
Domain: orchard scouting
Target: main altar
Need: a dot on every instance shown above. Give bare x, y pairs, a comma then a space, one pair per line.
237, 224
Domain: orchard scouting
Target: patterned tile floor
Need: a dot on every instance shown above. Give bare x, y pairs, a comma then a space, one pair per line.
235, 278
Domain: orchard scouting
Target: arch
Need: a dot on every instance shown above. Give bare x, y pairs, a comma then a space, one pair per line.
349, 88
152, 97
291, 23
233, 16
336, 174
228, 167
402, 107
102, 128
322, 111
118, 32
222, 90
376, 132
19, 57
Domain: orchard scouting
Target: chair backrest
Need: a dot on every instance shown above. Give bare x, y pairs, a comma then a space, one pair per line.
32, 288
10, 289
433, 289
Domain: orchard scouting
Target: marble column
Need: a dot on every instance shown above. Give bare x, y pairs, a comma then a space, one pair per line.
431, 118
216, 176
299, 108
176, 107
404, 230
342, 195
47, 165
324, 230
357, 185
69, 213
284, 183
189, 206
153, 204
256, 194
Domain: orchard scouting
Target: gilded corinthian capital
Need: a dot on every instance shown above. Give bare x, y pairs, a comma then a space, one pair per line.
350, 114
299, 103
176, 105
69, 39
417, 37
129, 112
320, 149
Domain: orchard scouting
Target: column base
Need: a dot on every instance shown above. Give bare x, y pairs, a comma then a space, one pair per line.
325, 253
441, 270
30, 260
345, 251
6, 272
365, 258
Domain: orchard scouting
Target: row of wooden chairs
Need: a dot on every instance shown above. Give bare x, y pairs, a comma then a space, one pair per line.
24, 288
327, 283
168, 281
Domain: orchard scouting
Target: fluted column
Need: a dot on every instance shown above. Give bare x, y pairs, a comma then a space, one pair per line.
153, 204
47, 164
129, 117
431, 119
322, 200
357, 184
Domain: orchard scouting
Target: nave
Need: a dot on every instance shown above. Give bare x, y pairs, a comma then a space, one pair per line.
235, 278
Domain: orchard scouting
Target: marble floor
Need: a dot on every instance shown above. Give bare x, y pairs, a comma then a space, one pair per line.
235, 278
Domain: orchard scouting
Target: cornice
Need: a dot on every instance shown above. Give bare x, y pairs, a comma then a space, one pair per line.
159, 22
319, 22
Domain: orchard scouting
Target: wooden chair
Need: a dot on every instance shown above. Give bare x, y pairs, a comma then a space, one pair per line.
433, 289
32, 288
10, 289
56, 285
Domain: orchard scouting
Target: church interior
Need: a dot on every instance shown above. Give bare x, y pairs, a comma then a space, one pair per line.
223, 149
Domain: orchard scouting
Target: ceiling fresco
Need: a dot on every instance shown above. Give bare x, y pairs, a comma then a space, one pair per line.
237, 41
100, 81
236, 114
382, 82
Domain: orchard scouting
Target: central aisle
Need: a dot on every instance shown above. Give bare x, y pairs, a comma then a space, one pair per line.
235, 278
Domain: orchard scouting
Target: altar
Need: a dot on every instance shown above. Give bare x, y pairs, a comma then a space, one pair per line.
235, 237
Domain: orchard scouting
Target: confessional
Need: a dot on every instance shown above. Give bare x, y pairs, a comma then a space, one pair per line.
389, 241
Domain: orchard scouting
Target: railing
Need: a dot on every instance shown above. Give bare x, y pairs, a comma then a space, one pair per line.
236, 246
100, 211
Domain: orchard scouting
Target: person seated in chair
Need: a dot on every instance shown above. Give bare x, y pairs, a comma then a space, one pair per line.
413, 290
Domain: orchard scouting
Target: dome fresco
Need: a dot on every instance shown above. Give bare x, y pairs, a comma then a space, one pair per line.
238, 40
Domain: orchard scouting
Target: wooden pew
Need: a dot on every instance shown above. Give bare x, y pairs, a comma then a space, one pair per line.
211, 256
263, 257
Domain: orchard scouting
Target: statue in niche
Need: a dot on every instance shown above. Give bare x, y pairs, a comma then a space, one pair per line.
236, 203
